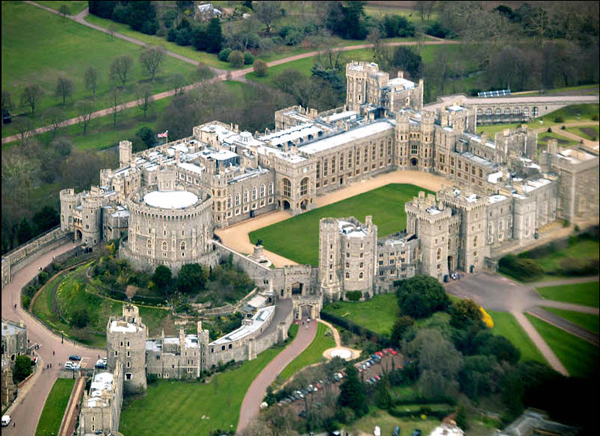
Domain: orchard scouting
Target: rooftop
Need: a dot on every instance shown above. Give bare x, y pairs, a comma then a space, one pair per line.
123, 327
10, 328
346, 137
170, 199
258, 320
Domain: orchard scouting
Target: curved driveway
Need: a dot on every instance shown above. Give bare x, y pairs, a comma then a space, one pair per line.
28, 406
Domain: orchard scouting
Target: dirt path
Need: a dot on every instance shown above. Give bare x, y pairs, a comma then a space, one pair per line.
564, 324
258, 388
236, 237
338, 343
564, 282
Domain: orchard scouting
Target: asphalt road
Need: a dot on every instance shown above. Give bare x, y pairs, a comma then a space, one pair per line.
27, 408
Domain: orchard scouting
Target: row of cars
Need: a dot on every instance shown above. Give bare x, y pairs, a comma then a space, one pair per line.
300, 394
73, 363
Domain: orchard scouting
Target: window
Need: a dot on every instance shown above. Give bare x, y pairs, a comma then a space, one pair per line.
271, 188
475, 241
516, 111
287, 188
164, 246
347, 275
149, 243
361, 276
304, 186
507, 111
262, 191
246, 196
254, 191
182, 246
229, 202
439, 254
128, 376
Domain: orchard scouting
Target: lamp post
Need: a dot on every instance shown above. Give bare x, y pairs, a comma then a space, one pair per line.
62, 337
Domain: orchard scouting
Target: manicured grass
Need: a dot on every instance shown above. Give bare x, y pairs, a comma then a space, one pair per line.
293, 331
312, 354
377, 314
178, 408
589, 89
580, 250
506, 325
587, 321
298, 238
585, 294
587, 132
579, 357
75, 6
62, 47
563, 141
387, 423
55, 407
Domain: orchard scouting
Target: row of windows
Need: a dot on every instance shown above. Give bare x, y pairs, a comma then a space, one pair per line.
507, 111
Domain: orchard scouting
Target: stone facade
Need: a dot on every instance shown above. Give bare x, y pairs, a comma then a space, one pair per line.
14, 339
8, 389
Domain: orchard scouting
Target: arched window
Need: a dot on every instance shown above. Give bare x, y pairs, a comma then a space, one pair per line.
507, 111
262, 191
271, 187
287, 188
304, 186
360, 276
182, 246
517, 111
475, 241
164, 246
488, 111
246, 196
149, 244
229, 202
439, 254
347, 264
254, 191
347, 275
479, 112
498, 111
237, 199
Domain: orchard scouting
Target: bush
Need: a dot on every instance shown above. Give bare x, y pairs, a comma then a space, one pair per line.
595, 117
22, 368
563, 127
152, 378
80, 318
549, 130
421, 296
25, 301
260, 68
577, 267
353, 295
236, 59
224, 54
521, 269
559, 119
248, 58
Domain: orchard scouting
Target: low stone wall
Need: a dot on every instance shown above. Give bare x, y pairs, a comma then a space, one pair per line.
22, 256
257, 272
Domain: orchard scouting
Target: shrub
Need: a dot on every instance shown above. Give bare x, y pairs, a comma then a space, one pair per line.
578, 267
25, 301
248, 58
549, 130
224, 54
563, 127
595, 118
260, 68
80, 318
519, 268
421, 296
236, 59
353, 295
486, 318
559, 119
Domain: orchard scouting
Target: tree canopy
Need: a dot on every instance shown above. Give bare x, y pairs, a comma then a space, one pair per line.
420, 296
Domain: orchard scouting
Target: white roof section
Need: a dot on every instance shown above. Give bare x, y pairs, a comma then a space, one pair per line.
257, 301
153, 345
10, 328
350, 229
346, 137
258, 320
290, 157
191, 341
455, 108
494, 177
404, 83
532, 185
123, 327
191, 167
497, 198
447, 430
291, 134
170, 199
121, 212
341, 116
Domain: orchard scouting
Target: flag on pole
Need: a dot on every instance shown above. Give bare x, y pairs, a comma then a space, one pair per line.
163, 135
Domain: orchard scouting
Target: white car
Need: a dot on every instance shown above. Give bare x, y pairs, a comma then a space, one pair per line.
5, 420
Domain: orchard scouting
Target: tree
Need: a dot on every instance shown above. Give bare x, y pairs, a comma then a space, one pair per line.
85, 110
461, 417
65, 10
81, 169
502, 349
268, 12
120, 69
55, 117
465, 313
144, 138
162, 278
22, 368
400, 326
214, 36
178, 83
7, 104
352, 392
425, 8
25, 130
80, 318
420, 296
191, 278
62, 146
408, 61
236, 59
115, 102
143, 94
203, 72
142, 17
91, 80
64, 88
383, 398
347, 21
24, 231
32, 96
260, 68
152, 58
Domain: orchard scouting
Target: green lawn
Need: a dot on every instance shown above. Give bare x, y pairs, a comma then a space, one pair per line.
579, 357
579, 250
377, 314
62, 47
588, 132
75, 6
176, 408
587, 321
585, 294
563, 141
55, 407
506, 325
312, 354
297, 238
387, 422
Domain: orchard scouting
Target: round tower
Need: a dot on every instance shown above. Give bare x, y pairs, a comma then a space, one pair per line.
68, 203
125, 153
91, 220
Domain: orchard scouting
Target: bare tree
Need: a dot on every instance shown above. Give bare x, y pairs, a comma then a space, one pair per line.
7, 104
64, 88
267, 13
425, 8
178, 83
31, 97
144, 96
91, 79
115, 102
25, 130
65, 10
112, 29
120, 69
85, 109
152, 58
55, 117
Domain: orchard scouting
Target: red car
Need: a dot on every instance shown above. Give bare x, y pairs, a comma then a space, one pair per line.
394, 352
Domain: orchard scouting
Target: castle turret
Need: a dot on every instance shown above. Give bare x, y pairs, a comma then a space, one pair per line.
125, 153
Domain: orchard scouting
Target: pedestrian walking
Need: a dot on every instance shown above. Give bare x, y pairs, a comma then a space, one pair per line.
53, 353
14, 424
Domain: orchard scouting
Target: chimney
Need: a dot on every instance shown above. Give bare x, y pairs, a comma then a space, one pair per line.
177, 157
401, 74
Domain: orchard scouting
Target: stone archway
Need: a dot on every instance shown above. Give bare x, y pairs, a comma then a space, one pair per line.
286, 205
414, 162
78, 235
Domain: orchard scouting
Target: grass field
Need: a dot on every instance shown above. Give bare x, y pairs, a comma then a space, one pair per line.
587, 321
71, 293
590, 133
377, 314
585, 294
180, 408
62, 47
385, 204
312, 354
75, 6
506, 325
580, 250
562, 141
579, 357
55, 407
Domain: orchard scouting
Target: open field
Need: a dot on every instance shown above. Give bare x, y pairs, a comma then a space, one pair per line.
62, 47
585, 294
587, 321
590, 133
579, 250
313, 353
377, 314
184, 408
579, 357
298, 238
55, 407
75, 6
506, 325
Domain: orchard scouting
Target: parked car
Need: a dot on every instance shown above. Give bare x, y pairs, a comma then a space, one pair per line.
5, 420
68, 364
101, 364
396, 431
416, 432
302, 414
74, 357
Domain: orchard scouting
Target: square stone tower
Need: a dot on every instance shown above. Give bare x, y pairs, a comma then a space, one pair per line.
126, 343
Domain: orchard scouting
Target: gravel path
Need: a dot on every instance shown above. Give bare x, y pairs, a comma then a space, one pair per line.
564, 282
563, 324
